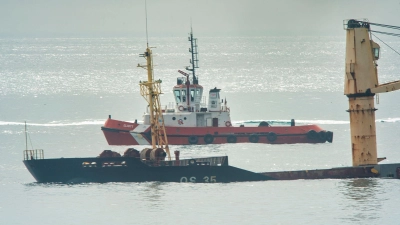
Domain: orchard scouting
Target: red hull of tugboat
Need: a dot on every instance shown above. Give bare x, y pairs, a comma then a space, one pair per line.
121, 133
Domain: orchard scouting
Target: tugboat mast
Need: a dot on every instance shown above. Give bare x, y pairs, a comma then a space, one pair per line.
194, 61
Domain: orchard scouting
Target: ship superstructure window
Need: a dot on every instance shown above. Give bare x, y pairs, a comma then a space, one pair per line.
213, 104
178, 95
375, 50
183, 95
192, 94
214, 100
376, 53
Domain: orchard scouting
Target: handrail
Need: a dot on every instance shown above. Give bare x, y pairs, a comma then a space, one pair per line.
33, 154
210, 161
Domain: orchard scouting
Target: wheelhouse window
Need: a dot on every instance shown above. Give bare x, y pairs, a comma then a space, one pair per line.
178, 95
183, 95
192, 94
199, 93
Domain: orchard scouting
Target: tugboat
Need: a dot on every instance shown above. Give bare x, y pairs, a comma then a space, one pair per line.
155, 164
194, 121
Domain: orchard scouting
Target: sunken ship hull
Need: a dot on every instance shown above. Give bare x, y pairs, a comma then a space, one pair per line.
199, 170
125, 133
124, 169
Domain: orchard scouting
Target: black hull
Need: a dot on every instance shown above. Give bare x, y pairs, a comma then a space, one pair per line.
79, 170
199, 170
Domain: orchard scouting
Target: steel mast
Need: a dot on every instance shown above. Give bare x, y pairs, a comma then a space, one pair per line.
194, 61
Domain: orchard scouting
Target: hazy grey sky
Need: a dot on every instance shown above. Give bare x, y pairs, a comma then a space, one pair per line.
172, 17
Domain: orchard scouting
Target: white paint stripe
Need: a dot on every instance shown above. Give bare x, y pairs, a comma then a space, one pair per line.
140, 128
136, 134
140, 139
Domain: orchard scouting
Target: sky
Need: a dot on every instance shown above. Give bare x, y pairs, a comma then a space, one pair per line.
50, 18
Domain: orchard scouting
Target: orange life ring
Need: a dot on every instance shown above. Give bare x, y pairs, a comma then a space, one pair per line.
228, 123
181, 108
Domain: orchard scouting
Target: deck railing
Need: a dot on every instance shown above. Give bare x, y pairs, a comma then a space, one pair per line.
207, 161
33, 154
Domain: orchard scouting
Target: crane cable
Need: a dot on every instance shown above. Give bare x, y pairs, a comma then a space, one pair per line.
386, 44
390, 34
386, 33
384, 25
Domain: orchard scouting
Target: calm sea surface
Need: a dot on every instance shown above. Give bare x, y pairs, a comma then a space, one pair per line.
65, 89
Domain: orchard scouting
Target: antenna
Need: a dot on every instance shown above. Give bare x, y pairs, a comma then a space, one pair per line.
147, 36
194, 60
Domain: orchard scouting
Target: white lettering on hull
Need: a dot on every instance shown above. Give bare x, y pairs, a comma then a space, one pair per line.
128, 125
206, 179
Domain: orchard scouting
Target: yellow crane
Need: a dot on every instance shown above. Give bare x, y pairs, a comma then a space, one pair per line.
360, 86
151, 91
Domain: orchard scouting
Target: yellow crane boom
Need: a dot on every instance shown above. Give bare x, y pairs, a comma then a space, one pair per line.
151, 91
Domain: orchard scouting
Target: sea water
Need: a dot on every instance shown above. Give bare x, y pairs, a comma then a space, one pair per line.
65, 88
